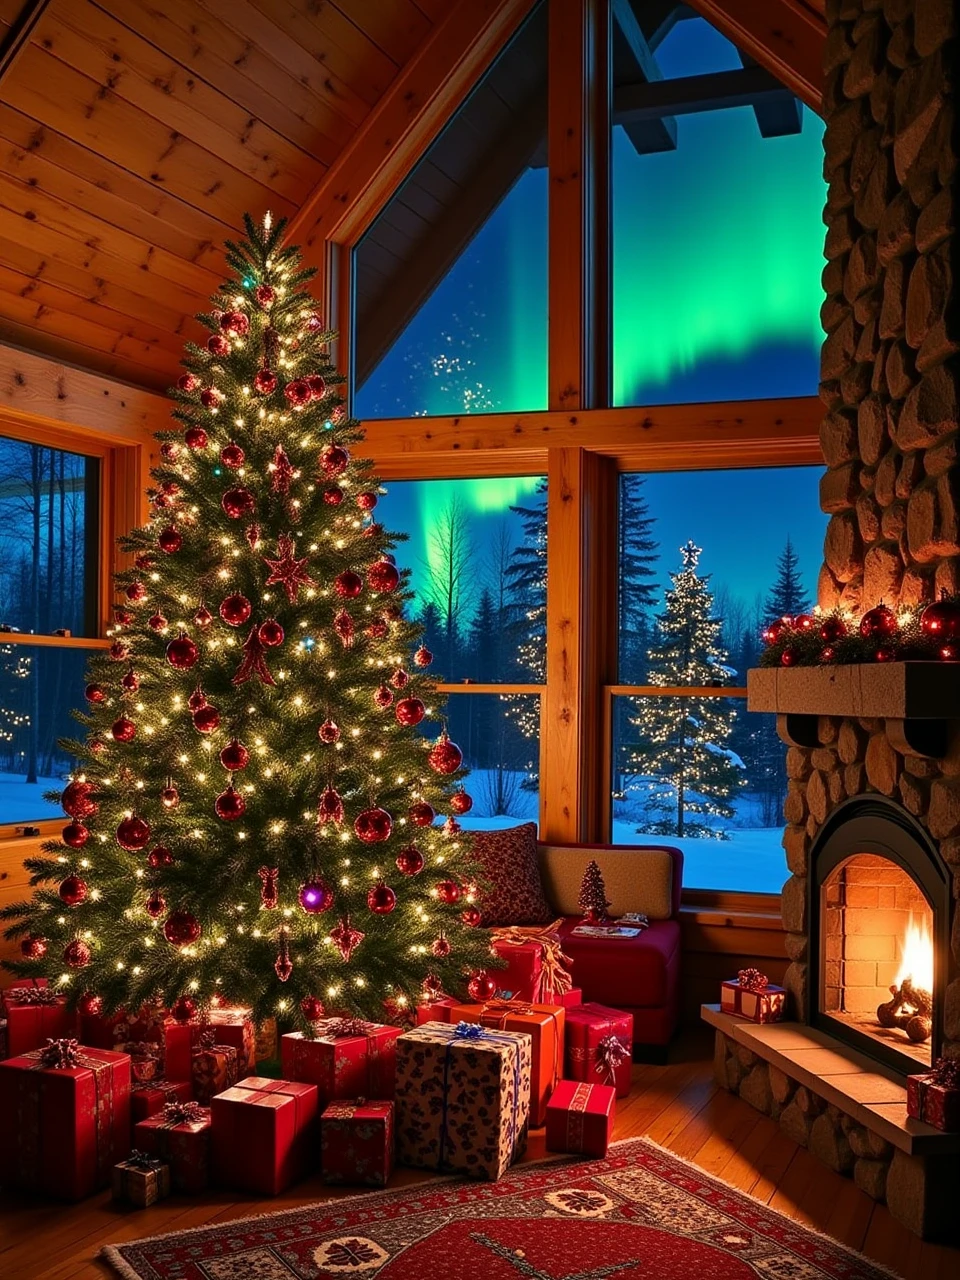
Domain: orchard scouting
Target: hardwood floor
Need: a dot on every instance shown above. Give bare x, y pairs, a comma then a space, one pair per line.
676, 1105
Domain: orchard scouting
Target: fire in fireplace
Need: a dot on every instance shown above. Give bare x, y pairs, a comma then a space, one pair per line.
910, 1007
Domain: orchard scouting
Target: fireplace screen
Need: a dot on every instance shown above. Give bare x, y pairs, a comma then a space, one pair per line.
876, 940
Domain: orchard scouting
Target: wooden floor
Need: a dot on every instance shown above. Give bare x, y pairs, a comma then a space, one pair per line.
677, 1106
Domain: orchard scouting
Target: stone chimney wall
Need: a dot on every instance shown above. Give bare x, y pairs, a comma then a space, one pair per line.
890, 367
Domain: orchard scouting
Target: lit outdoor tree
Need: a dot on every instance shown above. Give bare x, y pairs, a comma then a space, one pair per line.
252, 817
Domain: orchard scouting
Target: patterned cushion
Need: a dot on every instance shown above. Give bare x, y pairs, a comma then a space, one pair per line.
509, 859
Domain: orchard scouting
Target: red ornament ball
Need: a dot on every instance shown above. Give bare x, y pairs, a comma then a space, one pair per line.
122, 617
203, 617
230, 804
235, 323
265, 382
157, 622
188, 382
318, 387
312, 1008
367, 500
264, 294
206, 719
270, 633
804, 622
348, 584
182, 653
76, 954
373, 530
76, 801
72, 890
155, 905
421, 814
445, 756
399, 679
409, 711
197, 699
376, 630
144, 561
160, 856
382, 697
169, 540
885, 653
334, 459
790, 657
772, 632
169, 450
235, 610
217, 345
314, 324
949, 653
461, 802
133, 833
482, 986
94, 693
136, 592
329, 732
448, 891
423, 657
440, 947
90, 1005
832, 629
181, 928
373, 825
297, 393
410, 861
383, 576
234, 756
195, 437
381, 899
170, 797
941, 620
877, 622
231, 455
471, 917
827, 653
119, 651
123, 730
75, 834
315, 896
184, 1009
238, 503
333, 495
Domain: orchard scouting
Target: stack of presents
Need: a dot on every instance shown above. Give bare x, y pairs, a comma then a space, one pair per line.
150, 1104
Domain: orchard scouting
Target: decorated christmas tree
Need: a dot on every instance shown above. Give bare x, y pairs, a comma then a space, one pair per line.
593, 894
252, 818
683, 741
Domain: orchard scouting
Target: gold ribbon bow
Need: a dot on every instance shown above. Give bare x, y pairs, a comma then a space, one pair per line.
555, 978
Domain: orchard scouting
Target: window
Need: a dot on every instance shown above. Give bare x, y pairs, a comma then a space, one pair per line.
717, 230
49, 560
451, 279
705, 558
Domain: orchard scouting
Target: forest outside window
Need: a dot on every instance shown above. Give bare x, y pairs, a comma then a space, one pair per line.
49, 563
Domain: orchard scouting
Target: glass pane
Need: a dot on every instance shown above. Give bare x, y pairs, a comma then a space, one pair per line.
38, 687
48, 515
717, 232
451, 279
499, 735
477, 552
705, 774
760, 537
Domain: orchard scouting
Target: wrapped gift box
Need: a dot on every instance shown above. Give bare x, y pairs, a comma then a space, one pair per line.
748, 997
580, 1118
537, 970
436, 1010
571, 999
35, 1014
544, 1024
599, 1046
266, 1043
234, 1027
356, 1143
349, 1058
264, 1134
107, 1031
64, 1127
146, 1062
18, 985
152, 1096
141, 1179
213, 1068
463, 1098
934, 1096
180, 1136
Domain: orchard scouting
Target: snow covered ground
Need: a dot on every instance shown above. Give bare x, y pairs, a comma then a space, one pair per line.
21, 801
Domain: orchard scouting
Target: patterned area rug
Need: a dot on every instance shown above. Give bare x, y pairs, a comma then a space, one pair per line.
639, 1213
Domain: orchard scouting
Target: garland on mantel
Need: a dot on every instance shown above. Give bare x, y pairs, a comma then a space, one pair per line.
930, 634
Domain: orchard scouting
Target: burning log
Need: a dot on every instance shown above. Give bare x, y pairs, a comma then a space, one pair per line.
911, 1009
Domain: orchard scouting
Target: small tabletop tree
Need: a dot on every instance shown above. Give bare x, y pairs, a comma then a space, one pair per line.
593, 895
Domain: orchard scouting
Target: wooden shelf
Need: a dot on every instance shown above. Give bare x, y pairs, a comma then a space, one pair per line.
888, 690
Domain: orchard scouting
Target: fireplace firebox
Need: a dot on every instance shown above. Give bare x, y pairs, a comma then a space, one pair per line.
879, 914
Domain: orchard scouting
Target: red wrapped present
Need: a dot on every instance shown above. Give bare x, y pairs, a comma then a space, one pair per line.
64, 1118
580, 1118
544, 1024
235, 1027
146, 1062
437, 1010
349, 1058
750, 995
264, 1134
180, 1136
537, 969
36, 1014
356, 1143
17, 985
934, 1096
178, 1043
96, 1029
141, 1180
600, 1046
213, 1068
463, 1098
571, 999
152, 1096
108, 1030
265, 1040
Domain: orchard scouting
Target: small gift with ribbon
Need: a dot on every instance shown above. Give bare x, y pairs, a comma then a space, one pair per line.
150, 1096
599, 1046
64, 1118
356, 1143
179, 1135
345, 1058
463, 1098
264, 1135
580, 1118
35, 1013
233, 1026
141, 1179
146, 1059
213, 1066
537, 969
934, 1096
751, 995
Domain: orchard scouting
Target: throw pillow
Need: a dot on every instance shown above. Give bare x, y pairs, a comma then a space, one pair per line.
509, 859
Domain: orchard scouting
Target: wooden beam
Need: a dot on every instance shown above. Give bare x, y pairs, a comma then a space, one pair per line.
17, 36
632, 55
782, 35
776, 117
578, 147
686, 95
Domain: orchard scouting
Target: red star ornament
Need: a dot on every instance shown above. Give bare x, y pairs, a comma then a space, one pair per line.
253, 662
287, 571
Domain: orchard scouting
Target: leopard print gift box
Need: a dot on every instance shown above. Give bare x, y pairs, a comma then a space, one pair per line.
463, 1098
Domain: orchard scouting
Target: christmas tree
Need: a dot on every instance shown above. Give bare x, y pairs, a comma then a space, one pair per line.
682, 748
251, 818
787, 596
593, 894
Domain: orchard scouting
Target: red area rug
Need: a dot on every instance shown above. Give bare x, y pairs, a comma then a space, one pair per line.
640, 1213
